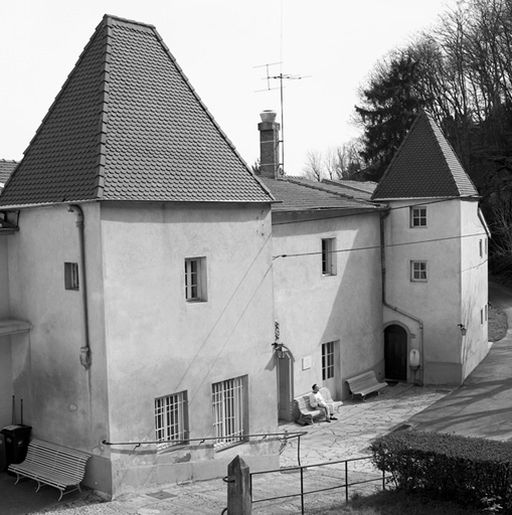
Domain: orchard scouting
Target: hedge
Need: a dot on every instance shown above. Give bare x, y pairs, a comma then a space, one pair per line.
471, 471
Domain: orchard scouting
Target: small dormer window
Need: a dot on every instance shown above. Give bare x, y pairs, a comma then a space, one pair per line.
418, 216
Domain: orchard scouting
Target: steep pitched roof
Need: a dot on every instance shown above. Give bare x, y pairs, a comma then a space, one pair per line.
424, 166
6, 169
127, 125
299, 194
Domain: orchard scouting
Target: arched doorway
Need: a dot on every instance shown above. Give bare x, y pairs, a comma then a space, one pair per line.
395, 352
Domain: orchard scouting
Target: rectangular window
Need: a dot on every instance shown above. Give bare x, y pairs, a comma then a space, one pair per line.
71, 281
481, 316
418, 216
480, 248
486, 312
195, 279
328, 256
418, 271
327, 360
171, 419
486, 247
229, 410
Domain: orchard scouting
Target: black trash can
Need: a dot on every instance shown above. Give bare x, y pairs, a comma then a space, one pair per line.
3, 457
16, 438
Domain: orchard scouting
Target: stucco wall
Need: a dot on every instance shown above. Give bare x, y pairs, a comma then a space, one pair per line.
159, 344
436, 302
313, 309
63, 402
474, 287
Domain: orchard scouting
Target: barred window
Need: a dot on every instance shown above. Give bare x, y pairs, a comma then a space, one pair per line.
171, 419
230, 410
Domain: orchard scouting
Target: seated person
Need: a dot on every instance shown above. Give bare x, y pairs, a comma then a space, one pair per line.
317, 401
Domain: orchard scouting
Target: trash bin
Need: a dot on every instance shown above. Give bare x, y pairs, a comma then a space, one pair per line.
3, 457
16, 438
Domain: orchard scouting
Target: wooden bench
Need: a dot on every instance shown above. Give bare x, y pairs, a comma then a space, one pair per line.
52, 465
304, 413
364, 384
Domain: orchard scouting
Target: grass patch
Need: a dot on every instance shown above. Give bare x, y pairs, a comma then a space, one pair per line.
393, 502
497, 324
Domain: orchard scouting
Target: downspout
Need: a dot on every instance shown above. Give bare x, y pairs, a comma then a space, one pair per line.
85, 350
394, 308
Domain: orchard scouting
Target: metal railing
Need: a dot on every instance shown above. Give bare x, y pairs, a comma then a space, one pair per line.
244, 438
301, 470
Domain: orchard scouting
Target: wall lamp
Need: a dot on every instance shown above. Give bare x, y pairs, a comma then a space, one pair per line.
463, 330
279, 349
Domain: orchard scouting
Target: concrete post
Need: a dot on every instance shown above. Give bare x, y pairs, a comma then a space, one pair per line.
239, 488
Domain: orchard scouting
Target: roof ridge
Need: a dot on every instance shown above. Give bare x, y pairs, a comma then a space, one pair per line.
397, 153
435, 128
206, 110
102, 134
315, 187
114, 18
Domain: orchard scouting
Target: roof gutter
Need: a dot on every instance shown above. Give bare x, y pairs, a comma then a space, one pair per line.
419, 321
85, 350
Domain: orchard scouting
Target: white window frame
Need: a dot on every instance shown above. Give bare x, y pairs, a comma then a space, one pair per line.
419, 271
71, 276
418, 217
229, 405
195, 279
328, 256
328, 357
171, 420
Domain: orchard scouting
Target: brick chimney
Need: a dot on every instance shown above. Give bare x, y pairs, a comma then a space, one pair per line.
269, 145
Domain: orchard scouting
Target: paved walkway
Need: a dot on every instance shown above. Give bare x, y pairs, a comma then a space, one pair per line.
479, 407
482, 406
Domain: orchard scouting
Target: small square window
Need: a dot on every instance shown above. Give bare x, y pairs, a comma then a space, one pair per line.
171, 419
71, 280
418, 271
328, 256
418, 216
195, 279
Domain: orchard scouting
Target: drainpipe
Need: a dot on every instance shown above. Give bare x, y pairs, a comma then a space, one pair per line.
394, 308
85, 350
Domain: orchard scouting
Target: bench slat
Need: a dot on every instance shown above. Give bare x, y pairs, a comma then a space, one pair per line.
52, 465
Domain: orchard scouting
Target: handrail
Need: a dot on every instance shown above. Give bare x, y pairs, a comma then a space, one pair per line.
287, 435
291, 434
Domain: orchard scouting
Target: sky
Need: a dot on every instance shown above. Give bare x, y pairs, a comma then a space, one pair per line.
332, 45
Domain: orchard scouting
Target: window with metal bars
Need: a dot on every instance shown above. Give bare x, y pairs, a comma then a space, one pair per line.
327, 360
229, 410
328, 256
71, 279
195, 279
171, 419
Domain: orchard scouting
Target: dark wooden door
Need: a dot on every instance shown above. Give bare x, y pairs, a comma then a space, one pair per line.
395, 353
284, 383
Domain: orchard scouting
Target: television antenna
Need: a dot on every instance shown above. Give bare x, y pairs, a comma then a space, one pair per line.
280, 77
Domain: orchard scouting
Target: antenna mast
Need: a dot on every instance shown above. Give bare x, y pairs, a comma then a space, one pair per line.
280, 77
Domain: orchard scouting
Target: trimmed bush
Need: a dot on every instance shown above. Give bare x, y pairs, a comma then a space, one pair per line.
467, 470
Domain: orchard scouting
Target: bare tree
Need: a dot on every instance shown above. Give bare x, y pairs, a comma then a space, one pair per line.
314, 165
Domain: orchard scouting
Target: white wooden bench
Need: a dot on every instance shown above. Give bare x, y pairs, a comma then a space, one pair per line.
52, 465
364, 384
304, 413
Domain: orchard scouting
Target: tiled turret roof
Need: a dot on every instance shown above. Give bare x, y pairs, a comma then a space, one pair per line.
127, 125
424, 166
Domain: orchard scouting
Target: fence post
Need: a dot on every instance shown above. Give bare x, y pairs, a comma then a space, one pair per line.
239, 489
